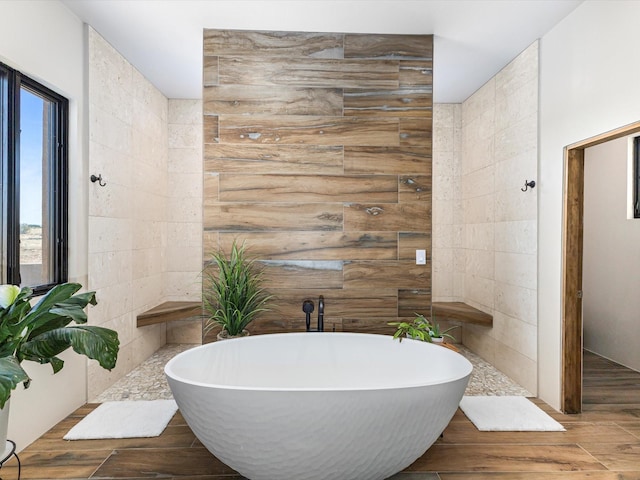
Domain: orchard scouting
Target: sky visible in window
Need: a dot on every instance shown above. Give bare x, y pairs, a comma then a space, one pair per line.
31, 108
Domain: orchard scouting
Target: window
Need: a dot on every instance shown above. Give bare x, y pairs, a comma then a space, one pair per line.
33, 175
636, 177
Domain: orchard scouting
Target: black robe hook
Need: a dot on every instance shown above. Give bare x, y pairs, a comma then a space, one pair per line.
98, 179
528, 184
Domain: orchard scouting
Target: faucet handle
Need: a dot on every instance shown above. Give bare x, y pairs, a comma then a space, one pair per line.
308, 306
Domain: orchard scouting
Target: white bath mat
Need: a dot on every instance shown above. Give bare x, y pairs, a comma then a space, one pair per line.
128, 419
507, 414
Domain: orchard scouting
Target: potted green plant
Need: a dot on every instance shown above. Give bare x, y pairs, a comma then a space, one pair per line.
233, 293
438, 336
41, 332
418, 329
421, 329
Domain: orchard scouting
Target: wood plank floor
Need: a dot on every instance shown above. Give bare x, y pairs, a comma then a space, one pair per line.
602, 443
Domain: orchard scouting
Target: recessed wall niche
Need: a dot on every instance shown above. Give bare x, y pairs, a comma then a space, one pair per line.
317, 154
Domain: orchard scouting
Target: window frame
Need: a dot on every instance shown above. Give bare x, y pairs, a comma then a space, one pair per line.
57, 192
636, 177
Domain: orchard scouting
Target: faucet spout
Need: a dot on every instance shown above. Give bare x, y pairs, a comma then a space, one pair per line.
321, 314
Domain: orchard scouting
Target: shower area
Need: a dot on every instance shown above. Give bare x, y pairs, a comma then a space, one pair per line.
485, 217
325, 153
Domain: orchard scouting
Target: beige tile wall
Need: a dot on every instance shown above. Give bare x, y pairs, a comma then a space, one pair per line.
485, 228
183, 253
448, 226
128, 227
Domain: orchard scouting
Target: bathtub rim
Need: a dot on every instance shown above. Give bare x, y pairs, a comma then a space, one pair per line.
443, 381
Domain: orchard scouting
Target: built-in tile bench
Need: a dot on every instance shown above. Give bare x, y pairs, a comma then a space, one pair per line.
460, 312
168, 311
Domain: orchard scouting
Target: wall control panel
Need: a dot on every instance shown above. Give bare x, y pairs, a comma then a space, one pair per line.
421, 257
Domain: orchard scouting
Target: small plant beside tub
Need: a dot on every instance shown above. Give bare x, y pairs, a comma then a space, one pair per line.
42, 332
422, 329
233, 293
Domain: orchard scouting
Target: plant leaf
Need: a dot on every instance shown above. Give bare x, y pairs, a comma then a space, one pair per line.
97, 343
56, 364
11, 374
74, 312
62, 311
57, 294
39, 314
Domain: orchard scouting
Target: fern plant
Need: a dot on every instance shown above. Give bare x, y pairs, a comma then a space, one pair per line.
233, 293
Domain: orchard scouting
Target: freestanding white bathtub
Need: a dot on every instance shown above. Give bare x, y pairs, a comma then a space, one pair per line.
315, 406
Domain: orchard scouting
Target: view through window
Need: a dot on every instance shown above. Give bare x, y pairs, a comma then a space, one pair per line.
34, 113
34, 182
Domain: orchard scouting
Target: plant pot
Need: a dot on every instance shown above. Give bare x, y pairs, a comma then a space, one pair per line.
437, 339
223, 335
4, 424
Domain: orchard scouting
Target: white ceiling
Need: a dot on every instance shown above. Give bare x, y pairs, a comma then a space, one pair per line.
474, 39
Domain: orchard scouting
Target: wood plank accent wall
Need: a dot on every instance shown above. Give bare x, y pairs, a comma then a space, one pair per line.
318, 155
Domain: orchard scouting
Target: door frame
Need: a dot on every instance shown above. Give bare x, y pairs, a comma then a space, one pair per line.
572, 251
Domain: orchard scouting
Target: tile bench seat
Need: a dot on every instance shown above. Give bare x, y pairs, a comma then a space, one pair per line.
460, 312
168, 311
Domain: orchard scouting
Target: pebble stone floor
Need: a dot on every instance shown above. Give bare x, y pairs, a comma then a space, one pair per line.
147, 381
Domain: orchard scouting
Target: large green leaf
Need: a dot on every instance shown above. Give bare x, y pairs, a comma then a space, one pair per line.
81, 299
74, 312
40, 313
59, 310
16, 313
74, 306
57, 294
48, 321
97, 343
12, 328
11, 374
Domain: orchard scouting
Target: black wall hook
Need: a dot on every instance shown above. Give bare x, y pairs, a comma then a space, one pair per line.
98, 179
528, 184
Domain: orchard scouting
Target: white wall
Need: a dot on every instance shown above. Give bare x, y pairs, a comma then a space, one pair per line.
45, 41
125, 241
589, 84
611, 256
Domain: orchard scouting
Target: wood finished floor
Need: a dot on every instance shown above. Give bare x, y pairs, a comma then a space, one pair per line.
602, 443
